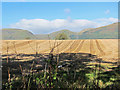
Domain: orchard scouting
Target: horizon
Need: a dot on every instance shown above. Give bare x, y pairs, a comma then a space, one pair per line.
61, 29
47, 17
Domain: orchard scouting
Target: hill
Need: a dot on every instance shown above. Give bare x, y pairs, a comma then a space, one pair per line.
105, 32
53, 35
16, 34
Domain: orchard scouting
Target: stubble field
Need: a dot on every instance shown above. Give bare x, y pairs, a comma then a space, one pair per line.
106, 49
93, 59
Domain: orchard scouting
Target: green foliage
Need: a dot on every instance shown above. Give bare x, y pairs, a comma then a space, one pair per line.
76, 74
61, 36
27, 38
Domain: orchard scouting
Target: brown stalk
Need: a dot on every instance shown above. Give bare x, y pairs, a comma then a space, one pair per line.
49, 41
7, 63
7, 52
36, 50
30, 46
50, 67
57, 58
19, 64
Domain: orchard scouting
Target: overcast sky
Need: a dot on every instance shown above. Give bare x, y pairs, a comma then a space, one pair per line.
47, 17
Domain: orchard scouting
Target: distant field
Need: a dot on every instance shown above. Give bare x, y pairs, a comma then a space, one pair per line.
104, 48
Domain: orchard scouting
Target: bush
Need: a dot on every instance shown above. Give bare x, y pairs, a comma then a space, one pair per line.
61, 36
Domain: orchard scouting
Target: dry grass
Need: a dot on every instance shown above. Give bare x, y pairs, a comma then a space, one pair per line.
106, 49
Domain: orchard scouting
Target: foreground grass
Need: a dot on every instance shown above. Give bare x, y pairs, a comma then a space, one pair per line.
70, 73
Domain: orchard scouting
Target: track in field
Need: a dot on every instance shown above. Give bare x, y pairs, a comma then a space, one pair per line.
101, 47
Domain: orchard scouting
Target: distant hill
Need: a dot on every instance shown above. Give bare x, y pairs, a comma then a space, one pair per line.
105, 32
16, 34
67, 32
53, 35
42, 36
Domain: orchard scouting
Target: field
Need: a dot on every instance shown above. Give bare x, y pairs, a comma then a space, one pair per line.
106, 49
93, 59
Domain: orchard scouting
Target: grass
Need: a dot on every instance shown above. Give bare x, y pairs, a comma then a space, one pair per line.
66, 70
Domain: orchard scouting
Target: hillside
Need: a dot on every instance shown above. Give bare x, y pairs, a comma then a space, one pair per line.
105, 32
53, 35
42, 36
67, 32
16, 34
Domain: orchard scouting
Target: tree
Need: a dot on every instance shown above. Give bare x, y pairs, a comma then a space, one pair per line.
27, 38
61, 36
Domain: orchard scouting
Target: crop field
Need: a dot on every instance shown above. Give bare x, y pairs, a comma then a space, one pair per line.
103, 48
85, 63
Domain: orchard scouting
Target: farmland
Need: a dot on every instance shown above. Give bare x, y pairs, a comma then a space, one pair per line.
103, 48
84, 63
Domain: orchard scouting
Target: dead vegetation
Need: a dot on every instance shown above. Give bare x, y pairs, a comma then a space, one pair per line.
60, 64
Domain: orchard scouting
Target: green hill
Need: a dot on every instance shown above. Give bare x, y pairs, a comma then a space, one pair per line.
54, 34
42, 36
16, 34
67, 32
105, 32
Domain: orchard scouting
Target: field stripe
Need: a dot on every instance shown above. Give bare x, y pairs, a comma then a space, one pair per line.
62, 44
74, 46
80, 46
64, 49
54, 47
13, 45
92, 49
68, 50
100, 49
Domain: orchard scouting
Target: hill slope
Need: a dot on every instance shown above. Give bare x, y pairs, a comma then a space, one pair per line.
53, 35
105, 32
16, 34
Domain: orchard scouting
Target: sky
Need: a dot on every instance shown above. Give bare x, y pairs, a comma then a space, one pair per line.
60, 0
47, 17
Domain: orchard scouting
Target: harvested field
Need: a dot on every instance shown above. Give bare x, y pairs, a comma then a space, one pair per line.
94, 59
106, 49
